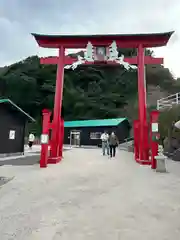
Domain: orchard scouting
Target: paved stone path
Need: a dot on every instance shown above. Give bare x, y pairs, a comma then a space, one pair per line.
90, 197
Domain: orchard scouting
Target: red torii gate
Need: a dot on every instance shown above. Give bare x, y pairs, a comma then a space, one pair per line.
70, 60
139, 41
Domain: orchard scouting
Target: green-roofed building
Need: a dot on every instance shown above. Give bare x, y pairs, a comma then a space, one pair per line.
12, 127
88, 132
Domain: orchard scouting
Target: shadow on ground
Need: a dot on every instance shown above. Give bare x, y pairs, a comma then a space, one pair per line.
25, 161
31, 160
4, 180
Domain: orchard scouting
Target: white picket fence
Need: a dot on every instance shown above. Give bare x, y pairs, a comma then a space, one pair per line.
168, 102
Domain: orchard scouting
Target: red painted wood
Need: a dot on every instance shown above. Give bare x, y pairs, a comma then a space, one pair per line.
133, 60
143, 138
45, 130
52, 160
139, 41
57, 103
122, 40
49, 60
61, 138
136, 139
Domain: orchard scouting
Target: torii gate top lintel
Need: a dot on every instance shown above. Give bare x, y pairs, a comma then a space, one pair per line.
147, 40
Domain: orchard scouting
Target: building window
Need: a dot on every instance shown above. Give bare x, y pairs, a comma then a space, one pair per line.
95, 135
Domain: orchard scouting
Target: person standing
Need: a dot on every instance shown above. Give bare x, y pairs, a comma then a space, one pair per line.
31, 140
105, 143
113, 143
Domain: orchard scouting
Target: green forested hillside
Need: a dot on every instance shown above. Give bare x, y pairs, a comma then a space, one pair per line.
89, 91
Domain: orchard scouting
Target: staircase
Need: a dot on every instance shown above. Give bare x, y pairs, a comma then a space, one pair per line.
168, 102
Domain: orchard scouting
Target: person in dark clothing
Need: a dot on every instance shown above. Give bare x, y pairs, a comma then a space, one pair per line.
113, 143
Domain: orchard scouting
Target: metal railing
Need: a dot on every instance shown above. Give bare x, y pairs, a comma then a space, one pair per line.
174, 155
168, 102
126, 144
128, 139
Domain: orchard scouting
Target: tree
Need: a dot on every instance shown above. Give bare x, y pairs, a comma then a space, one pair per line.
90, 92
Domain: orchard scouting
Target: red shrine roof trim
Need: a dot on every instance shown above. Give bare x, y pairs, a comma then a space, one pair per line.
123, 40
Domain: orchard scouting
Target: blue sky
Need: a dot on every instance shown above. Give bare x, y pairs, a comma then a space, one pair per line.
18, 18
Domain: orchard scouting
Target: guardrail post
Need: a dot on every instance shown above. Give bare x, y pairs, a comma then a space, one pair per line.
177, 100
157, 104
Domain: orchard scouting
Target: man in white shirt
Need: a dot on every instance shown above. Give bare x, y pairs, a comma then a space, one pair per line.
31, 140
105, 143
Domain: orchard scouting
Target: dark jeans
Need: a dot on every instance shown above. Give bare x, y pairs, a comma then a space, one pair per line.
112, 150
30, 144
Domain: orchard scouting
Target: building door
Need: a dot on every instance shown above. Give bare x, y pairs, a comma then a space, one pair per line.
75, 138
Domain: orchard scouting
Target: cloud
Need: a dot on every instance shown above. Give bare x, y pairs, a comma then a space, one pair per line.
19, 18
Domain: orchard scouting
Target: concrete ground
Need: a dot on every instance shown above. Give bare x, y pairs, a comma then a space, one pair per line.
27, 153
90, 197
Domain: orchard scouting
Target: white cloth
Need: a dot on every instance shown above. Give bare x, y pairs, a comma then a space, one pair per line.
104, 137
31, 137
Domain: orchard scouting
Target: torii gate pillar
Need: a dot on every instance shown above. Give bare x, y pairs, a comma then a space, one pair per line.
143, 125
56, 128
